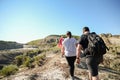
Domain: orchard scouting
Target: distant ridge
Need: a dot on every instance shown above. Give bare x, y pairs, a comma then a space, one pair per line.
50, 39
10, 45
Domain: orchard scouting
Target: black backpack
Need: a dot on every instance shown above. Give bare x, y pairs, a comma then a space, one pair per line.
96, 46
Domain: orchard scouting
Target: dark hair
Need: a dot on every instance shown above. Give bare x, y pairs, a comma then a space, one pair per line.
69, 34
86, 29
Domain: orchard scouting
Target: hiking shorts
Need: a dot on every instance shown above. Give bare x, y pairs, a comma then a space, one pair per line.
92, 65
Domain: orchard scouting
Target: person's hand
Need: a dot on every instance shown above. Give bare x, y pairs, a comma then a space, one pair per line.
62, 55
78, 60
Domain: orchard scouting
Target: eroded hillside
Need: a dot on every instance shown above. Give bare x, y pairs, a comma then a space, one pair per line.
54, 67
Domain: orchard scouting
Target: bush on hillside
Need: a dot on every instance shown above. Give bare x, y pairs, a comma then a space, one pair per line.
8, 70
39, 59
29, 58
19, 60
26, 58
55, 49
32, 53
23, 60
27, 62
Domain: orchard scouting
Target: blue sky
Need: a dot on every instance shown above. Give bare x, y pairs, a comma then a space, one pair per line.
27, 20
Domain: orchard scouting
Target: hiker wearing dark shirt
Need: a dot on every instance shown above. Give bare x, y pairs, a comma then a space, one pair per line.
90, 60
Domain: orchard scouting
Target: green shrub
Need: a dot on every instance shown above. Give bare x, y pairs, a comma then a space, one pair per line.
19, 60
27, 62
76, 37
39, 59
55, 49
29, 58
32, 53
8, 70
22, 60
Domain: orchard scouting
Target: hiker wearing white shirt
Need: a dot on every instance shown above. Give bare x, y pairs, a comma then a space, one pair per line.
69, 50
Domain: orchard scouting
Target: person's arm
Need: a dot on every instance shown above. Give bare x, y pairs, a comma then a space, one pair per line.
63, 50
78, 52
76, 44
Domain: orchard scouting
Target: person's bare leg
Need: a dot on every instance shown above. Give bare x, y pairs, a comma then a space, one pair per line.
89, 76
95, 77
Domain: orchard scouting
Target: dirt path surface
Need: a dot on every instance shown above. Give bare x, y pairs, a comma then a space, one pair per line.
56, 68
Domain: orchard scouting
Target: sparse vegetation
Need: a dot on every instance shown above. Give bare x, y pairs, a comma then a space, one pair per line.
113, 77
32, 53
37, 57
29, 58
27, 62
19, 60
39, 60
8, 70
112, 62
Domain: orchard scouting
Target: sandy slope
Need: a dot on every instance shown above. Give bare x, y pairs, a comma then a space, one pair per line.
115, 41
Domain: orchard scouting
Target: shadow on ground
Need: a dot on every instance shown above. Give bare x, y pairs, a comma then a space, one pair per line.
108, 70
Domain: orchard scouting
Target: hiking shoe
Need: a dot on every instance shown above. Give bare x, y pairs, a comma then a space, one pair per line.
72, 78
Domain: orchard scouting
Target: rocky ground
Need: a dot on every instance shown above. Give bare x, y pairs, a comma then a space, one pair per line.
56, 68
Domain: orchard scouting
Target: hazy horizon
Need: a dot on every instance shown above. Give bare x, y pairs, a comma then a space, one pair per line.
49, 35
